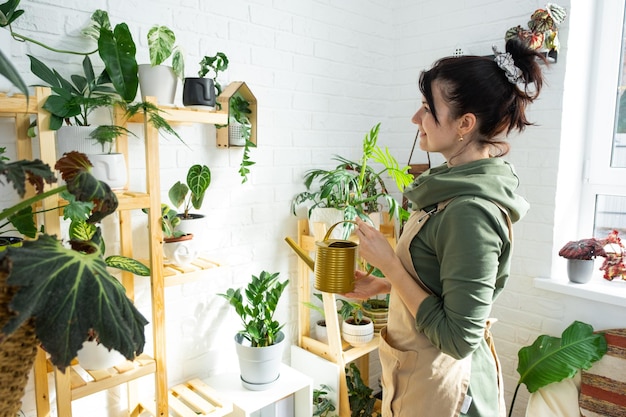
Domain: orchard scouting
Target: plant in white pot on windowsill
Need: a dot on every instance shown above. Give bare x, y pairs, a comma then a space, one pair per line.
580, 255
260, 343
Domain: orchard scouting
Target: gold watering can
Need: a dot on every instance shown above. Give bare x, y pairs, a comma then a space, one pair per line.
335, 263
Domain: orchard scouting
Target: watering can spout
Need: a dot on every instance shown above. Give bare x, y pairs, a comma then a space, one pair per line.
301, 253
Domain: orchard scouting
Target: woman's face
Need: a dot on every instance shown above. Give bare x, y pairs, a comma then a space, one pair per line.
443, 137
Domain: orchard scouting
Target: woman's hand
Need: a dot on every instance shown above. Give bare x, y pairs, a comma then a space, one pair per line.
367, 286
374, 247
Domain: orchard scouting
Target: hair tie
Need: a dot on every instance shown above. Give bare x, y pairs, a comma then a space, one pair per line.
507, 64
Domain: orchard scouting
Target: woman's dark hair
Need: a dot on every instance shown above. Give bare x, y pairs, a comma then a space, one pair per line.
476, 84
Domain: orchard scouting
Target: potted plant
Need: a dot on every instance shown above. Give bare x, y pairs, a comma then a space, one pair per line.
377, 309
360, 397
50, 290
354, 188
260, 343
356, 329
191, 193
551, 359
580, 255
202, 90
542, 31
321, 333
322, 405
73, 100
239, 132
177, 246
159, 80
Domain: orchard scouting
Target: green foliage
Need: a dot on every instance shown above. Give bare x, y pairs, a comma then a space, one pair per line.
161, 44
169, 221
68, 292
322, 405
105, 135
359, 394
216, 63
240, 108
257, 311
191, 193
352, 310
354, 186
551, 359
153, 115
12, 74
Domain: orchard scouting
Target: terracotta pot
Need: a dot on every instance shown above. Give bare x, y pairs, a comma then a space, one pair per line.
17, 355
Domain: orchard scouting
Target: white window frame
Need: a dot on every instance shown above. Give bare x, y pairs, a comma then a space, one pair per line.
598, 176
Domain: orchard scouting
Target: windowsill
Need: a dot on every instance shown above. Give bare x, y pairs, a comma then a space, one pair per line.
598, 289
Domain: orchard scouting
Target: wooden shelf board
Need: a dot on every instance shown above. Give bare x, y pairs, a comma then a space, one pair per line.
175, 114
17, 104
132, 200
108, 378
354, 353
191, 399
177, 275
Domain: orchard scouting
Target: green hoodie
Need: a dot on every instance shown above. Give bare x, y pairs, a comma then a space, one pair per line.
463, 255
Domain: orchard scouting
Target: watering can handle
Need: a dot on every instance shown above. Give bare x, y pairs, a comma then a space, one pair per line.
330, 229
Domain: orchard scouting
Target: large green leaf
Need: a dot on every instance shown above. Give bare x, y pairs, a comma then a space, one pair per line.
117, 50
198, 179
550, 359
70, 293
161, 41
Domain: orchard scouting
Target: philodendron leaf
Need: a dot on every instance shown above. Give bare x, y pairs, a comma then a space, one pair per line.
70, 293
550, 359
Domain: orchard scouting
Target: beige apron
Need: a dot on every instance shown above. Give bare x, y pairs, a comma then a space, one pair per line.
417, 378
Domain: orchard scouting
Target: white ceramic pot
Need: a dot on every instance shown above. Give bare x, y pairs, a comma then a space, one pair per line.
93, 356
259, 366
321, 332
357, 334
76, 138
110, 168
180, 251
580, 271
328, 216
158, 81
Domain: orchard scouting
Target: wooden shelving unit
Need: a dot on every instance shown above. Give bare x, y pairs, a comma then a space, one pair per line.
190, 399
336, 351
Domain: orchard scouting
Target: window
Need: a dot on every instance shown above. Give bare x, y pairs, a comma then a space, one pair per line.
604, 188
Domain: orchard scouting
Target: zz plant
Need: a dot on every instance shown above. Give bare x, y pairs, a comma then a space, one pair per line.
257, 310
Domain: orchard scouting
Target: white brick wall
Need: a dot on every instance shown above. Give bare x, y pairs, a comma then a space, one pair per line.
323, 72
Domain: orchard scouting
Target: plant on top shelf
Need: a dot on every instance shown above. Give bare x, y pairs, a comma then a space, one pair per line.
213, 65
355, 187
257, 311
543, 28
162, 46
192, 193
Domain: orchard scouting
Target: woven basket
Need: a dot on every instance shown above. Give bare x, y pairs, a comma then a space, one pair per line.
17, 354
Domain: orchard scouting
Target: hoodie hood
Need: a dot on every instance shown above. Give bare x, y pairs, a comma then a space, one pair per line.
492, 179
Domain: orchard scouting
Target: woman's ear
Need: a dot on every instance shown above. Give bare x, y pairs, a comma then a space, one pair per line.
466, 124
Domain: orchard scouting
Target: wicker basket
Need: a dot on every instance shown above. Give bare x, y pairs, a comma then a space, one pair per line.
17, 354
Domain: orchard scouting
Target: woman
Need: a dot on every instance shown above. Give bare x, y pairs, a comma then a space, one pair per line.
436, 353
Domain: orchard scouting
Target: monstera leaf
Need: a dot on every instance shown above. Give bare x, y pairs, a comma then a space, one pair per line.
70, 294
